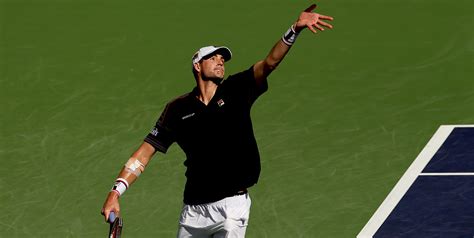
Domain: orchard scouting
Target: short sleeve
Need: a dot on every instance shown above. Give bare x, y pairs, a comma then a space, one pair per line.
246, 84
161, 135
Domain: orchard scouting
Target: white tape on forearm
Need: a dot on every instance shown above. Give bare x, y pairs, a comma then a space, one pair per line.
289, 37
134, 166
120, 186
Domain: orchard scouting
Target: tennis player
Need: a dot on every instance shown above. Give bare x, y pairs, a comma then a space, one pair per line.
212, 125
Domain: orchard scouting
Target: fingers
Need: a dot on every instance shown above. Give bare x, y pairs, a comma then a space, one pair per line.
105, 213
310, 8
326, 17
319, 24
319, 27
310, 27
325, 24
313, 21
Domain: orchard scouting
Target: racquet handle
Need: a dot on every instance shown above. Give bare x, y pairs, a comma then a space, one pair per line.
112, 217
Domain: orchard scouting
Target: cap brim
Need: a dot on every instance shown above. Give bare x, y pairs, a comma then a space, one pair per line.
224, 51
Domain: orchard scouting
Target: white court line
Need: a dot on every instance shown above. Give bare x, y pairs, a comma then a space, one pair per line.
407, 180
447, 174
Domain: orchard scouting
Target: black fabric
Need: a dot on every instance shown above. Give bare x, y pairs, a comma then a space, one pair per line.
222, 157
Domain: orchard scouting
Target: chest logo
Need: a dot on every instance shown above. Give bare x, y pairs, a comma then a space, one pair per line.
188, 116
220, 102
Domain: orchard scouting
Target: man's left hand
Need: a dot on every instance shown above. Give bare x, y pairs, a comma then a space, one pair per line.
312, 20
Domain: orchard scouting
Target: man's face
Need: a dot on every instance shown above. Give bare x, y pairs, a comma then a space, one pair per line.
212, 67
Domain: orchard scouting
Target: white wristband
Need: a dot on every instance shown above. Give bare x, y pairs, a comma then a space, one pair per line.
120, 186
289, 37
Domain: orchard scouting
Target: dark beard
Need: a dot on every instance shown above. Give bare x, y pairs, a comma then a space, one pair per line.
215, 80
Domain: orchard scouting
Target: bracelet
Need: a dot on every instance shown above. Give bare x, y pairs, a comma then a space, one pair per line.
120, 186
289, 37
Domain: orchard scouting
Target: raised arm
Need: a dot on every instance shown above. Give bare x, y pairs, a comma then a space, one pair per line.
128, 175
307, 19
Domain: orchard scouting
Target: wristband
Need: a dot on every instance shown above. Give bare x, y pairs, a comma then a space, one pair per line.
120, 186
289, 37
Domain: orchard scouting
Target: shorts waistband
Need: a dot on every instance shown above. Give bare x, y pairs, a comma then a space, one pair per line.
228, 194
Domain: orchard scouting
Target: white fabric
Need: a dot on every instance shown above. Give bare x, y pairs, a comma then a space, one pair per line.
120, 186
207, 50
225, 218
134, 166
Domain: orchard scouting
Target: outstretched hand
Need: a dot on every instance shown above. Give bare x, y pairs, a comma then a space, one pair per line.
312, 20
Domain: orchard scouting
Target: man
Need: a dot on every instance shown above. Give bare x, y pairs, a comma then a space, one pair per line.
212, 125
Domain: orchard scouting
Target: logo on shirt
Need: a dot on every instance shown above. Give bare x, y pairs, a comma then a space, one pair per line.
220, 102
188, 116
154, 131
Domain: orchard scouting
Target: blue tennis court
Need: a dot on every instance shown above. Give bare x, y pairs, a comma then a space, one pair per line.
435, 196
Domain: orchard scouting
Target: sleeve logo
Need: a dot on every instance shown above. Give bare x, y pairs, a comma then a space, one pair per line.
154, 131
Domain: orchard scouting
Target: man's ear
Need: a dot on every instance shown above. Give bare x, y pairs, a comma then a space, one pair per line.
197, 67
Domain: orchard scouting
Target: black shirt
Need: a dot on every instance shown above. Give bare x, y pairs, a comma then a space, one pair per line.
221, 152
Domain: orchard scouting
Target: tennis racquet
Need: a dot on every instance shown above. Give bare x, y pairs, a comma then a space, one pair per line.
116, 224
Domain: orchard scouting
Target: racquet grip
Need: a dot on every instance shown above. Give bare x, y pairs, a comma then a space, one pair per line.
112, 217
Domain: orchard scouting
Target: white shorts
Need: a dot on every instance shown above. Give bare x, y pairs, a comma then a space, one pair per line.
225, 218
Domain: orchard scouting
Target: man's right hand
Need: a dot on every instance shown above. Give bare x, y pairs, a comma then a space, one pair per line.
111, 204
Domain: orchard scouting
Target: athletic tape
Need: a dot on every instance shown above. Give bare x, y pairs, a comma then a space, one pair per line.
134, 166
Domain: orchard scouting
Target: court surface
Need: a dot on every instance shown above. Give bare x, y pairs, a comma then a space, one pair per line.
434, 198
83, 81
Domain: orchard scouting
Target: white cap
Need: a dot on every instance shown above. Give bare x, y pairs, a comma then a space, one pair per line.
207, 50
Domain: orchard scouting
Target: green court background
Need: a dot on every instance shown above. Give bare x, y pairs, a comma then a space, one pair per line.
82, 82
